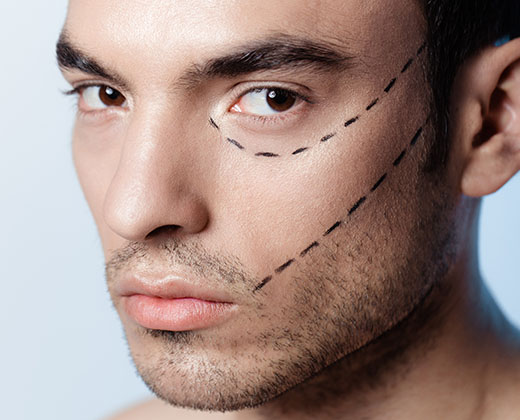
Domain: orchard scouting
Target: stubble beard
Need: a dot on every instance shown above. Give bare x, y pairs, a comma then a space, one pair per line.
331, 327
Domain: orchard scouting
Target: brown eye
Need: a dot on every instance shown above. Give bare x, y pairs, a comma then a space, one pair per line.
111, 97
266, 101
280, 100
94, 98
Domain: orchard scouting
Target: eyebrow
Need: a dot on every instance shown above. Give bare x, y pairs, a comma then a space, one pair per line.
278, 52
72, 57
275, 53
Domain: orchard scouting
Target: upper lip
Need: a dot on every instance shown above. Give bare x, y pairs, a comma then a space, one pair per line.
168, 286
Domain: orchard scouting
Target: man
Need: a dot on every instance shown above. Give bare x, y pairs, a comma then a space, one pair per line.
287, 195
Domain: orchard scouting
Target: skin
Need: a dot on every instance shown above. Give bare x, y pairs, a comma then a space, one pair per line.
388, 317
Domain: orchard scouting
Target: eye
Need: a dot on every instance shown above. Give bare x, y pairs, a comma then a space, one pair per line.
265, 101
100, 97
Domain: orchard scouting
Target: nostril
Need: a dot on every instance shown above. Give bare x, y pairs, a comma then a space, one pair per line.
163, 230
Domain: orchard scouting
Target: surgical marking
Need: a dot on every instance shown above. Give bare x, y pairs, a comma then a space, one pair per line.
213, 123
327, 137
235, 143
332, 228
407, 65
352, 121
340, 223
356, 206
267, 154
263, 283
372, 104
300, 150
284, 267
309, 248
378, 183
416, 137
400, 158
391, 84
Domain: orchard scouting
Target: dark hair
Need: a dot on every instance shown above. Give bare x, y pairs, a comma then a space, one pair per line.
457, 30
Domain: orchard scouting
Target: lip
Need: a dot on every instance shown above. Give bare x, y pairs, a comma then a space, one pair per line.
172, 303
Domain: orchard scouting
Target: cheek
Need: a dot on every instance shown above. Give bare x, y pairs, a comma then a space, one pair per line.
281, 208
96, 156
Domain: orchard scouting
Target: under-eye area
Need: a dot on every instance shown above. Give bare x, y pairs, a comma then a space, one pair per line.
356, 206
373, 104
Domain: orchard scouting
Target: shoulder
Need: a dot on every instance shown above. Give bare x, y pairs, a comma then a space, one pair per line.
158, 410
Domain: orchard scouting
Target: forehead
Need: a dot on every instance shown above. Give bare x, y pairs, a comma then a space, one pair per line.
159, 30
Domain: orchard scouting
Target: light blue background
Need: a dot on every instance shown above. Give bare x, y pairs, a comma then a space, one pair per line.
62, 351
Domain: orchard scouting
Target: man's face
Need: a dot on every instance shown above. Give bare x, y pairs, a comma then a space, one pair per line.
222, 177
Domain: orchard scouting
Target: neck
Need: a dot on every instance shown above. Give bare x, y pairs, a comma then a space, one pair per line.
443, 361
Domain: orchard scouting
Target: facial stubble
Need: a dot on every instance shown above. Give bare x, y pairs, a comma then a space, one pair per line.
330, 316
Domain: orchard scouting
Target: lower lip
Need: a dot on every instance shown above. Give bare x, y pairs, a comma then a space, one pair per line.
182, 314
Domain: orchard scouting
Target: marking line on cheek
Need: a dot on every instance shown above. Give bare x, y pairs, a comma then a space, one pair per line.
333, 228
235, 143
356, 206
390, 85
267, 154
421, 49
301, 150
372, 104
352, 121
339, 223
416, 137
309, 248
378, 183
213, 123
400, 158
284, 266
327, 137
263, 283
407, 66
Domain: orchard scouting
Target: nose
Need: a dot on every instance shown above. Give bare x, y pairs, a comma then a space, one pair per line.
156, 183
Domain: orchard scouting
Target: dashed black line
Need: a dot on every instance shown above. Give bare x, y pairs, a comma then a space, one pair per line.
300, 150
235, 143
349, 122
327, 137
309, 248
416, 137
378, 183
390, 85
284, 267
263, 283
400, 158
356, 206
352, 121
332, 228
339, 223
407, 65
213, 123
266, 154
372, 104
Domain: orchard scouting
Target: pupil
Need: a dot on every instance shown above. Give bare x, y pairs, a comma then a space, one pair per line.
111, 93
111, 97
280, 100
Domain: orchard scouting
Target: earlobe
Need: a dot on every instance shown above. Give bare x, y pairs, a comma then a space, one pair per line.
492, 149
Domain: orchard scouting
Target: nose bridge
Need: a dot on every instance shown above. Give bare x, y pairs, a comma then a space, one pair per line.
152, 186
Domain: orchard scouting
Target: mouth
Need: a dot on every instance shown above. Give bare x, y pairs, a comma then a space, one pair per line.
171, 303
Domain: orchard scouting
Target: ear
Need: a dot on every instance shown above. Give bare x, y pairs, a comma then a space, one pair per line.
486, 119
